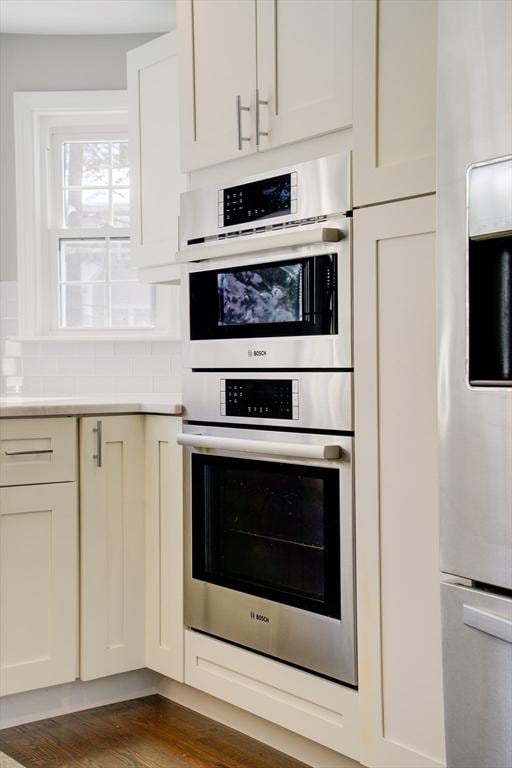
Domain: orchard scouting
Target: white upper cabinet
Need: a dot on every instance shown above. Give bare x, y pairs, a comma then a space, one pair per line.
217, 80
304, 69
257, 74
156, 180
394, 99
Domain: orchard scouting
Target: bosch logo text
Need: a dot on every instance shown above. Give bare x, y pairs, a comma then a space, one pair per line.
260, 617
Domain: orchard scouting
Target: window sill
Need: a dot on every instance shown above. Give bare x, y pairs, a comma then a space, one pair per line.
97, 338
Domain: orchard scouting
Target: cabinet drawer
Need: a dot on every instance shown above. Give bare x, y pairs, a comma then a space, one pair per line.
37, 451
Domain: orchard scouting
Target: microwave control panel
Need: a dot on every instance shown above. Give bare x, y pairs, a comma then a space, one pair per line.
262, 399
263, 199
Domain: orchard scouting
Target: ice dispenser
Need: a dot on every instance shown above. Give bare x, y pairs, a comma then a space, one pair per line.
489, 289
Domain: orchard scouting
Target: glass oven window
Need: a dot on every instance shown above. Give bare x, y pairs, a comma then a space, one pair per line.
286, 298
268, 529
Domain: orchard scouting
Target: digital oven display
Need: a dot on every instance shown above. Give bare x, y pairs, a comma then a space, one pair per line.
257, 200
270, 294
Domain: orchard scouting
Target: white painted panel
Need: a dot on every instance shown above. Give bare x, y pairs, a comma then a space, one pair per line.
18, 437
115, 518
38, 586
409, 492
164, 547
394, 99
26, 538
304, 68
216, 63
396, 485
406, 92
159, 144
112, 545
320, 710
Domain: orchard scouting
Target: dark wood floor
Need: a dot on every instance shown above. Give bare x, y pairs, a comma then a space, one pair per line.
145, 733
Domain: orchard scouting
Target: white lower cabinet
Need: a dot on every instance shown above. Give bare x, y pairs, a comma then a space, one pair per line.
164, 547
112, 547
38, 586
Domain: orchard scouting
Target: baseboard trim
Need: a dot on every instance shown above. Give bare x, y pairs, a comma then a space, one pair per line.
20, 708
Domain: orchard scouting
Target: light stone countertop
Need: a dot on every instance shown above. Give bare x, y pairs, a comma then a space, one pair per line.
18, 406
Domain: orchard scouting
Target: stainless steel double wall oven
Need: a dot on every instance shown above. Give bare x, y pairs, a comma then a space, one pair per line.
268, 431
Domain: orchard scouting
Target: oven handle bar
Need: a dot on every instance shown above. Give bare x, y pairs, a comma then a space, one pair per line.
260, 447
286, 238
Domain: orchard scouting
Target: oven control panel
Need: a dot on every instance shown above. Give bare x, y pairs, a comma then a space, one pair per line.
260, 398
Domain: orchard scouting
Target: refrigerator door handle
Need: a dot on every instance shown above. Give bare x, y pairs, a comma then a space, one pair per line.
488, 623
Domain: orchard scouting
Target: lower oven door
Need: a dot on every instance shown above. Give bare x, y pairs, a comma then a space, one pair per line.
269, 559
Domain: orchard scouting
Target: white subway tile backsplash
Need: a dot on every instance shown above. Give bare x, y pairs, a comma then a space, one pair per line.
154, 365
162, 384
10, 385
134, 384
113, 366
95, 348
31, 385
39, 366
58, 385
96, 385
171, 348
61, 367
73, 366
48, 348
132, 348
10, 366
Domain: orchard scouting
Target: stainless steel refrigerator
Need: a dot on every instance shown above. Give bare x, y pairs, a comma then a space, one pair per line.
475, 377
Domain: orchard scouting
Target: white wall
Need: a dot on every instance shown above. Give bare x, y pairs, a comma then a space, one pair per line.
65, 63
49, 63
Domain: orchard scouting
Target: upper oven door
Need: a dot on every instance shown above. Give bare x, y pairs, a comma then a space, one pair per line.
289, 307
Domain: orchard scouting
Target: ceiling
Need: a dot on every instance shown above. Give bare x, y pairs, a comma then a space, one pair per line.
86, 17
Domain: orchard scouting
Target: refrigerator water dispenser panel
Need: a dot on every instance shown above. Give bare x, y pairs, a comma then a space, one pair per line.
489, 273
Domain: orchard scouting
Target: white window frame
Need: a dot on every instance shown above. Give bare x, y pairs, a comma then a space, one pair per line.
37, 117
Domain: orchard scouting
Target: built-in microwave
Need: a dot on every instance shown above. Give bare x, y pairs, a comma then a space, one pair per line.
268, 283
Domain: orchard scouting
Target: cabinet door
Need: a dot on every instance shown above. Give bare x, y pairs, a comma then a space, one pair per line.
156, 181
396, 480
164, 547
38, 586
394, 99
216, 65
112, 545
304, 68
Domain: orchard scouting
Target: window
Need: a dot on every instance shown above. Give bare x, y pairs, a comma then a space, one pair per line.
93, 276
76, 275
